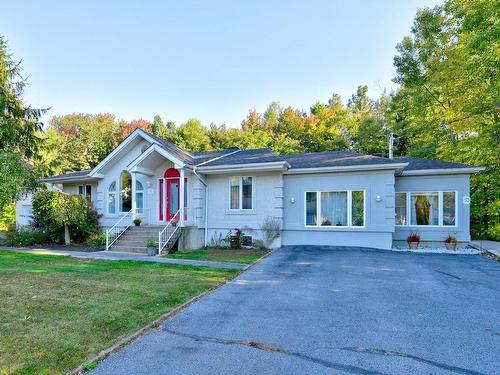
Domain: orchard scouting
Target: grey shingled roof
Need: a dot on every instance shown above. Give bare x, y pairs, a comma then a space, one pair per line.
260, 155
201, 157
334, 159
178, 152
70, 175
415, 164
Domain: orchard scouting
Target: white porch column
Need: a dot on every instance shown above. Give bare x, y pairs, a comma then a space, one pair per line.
181, 197
134, 203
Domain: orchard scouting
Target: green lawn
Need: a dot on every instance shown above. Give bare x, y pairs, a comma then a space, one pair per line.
56, 310
247, 256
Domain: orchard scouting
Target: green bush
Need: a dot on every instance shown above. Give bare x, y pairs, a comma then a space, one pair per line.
53, 210
26, 237
7, 217
96, 240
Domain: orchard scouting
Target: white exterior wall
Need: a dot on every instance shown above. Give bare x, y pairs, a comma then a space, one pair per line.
267, 201
458, 183
379, 216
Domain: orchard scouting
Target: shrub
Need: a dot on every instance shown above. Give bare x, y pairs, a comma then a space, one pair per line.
271, 229
217, 241
42, 217
235, 238
96, 240
7, 217
52, 211
26, 236
151, 243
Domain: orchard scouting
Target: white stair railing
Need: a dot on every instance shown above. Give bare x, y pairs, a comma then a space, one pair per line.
166, 233
117, 230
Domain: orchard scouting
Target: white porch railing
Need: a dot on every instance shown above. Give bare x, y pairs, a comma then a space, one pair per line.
120, 226
166, 233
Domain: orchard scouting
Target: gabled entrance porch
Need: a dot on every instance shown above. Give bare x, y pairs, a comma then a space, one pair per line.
163, 204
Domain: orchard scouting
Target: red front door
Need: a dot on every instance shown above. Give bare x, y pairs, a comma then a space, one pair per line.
169, 194
172, 197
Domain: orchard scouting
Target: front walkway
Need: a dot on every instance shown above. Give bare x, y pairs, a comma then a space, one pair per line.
490, 246
111, 255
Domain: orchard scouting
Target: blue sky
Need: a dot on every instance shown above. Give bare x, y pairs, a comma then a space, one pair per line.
212, 60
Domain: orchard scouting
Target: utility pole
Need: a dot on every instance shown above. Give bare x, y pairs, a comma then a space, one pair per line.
391, 142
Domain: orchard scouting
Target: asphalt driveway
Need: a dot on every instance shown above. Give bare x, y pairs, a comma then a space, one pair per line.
318, 310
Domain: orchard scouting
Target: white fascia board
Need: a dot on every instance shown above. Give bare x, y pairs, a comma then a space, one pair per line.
251, 167
423, 172
156, 148
136, 133
349, 168
62, 180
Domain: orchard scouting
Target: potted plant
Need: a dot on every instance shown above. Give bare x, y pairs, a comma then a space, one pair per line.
152, 247
174, 222
450, 242
137, 221
413, 240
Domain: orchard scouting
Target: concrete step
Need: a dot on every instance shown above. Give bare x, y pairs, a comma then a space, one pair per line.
139, 236
148, 228
132, 243
129, 249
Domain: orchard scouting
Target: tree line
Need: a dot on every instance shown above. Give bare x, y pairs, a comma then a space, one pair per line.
446, 106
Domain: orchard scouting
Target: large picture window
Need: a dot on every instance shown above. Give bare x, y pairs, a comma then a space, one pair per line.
424, 208
241, 193
344, 208
435, 208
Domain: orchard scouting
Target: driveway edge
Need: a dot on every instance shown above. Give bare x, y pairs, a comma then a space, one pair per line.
80, 369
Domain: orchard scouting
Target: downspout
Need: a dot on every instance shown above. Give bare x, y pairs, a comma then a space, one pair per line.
206, 205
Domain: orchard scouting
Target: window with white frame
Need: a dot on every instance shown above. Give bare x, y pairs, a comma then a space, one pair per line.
344, 208
85, 191
429, 208
241, 193
112, 198
139, 197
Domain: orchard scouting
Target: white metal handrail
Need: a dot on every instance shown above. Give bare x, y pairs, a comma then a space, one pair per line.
120, 226
166, 233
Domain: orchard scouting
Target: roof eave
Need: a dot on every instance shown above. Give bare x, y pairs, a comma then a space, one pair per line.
60, 180
280, 166
349, 168
437, 171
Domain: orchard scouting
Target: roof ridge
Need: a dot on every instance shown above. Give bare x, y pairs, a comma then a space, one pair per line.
161, 140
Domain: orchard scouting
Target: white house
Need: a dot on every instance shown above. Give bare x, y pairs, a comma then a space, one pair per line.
326, 198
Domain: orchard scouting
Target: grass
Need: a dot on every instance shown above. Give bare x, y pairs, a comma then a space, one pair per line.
247, 256
56, 311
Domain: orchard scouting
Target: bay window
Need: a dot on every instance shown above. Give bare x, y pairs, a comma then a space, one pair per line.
344, 208
241, 193
434, 208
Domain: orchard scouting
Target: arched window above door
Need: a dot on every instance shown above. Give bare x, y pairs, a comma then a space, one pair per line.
171, 173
